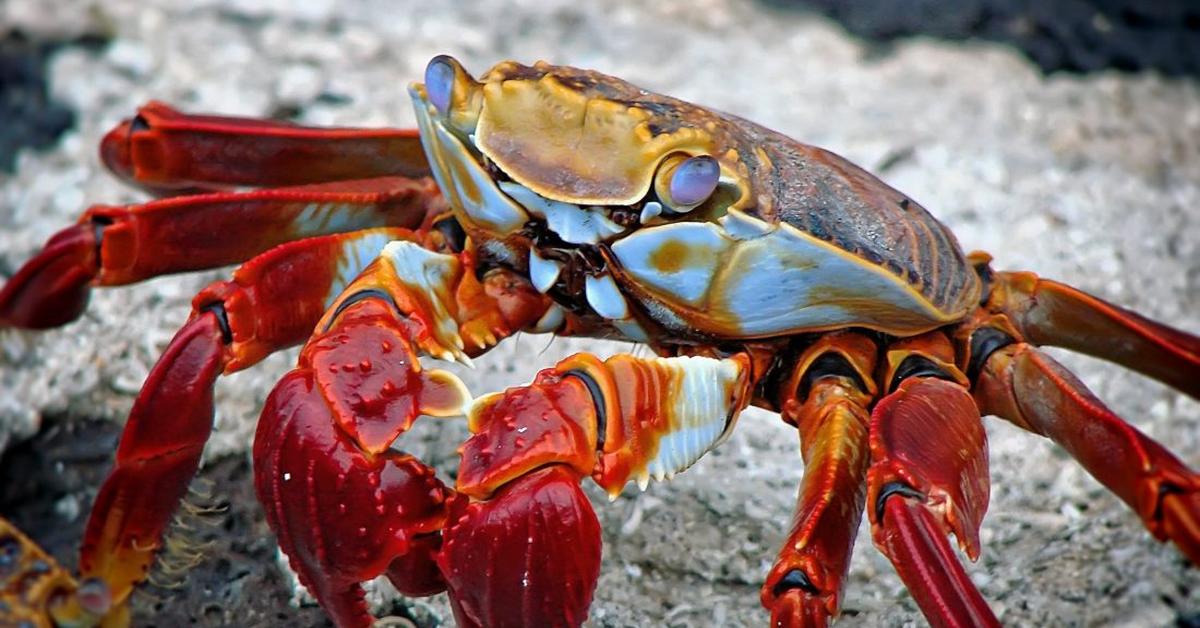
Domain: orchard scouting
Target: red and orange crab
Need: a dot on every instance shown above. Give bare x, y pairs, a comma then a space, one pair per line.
760, 270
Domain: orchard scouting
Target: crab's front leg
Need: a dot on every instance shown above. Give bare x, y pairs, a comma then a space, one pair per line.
826, 398
345, 506
272, 302
525, 551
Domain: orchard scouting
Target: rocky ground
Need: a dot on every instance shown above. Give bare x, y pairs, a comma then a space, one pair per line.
1094, 180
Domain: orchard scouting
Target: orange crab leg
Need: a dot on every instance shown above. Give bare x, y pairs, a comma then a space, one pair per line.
929, 477
166, 151
827, 400
33, 586
344, 505
272, 302
1051, 313
116, 245
1027, 387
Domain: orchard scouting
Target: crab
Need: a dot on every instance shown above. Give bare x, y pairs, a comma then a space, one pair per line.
549, 199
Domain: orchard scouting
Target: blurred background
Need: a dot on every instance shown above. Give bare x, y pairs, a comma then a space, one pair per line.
1063, 136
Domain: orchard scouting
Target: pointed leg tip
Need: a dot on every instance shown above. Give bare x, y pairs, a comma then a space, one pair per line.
53, 288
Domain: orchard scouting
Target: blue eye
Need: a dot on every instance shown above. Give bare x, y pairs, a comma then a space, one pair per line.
694, 181
439, 82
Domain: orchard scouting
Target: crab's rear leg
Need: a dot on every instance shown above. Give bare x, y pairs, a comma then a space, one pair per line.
117, 245
1047, 312
272, 302
345, 506
929, 477
1024, 385
1027, 387
826, 398
167, 152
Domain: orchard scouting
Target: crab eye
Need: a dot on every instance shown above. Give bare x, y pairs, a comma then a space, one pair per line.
693, 181
439, 82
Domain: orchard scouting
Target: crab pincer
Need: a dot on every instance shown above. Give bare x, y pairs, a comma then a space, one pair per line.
929, 477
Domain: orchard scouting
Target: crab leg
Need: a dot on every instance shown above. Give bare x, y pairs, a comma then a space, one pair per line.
32, 585
929, 477
827, 400
1051, 313
1027, 387
115, 245
344, 505
168, 152
272, 302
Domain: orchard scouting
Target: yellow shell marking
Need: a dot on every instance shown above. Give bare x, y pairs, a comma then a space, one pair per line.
565, 146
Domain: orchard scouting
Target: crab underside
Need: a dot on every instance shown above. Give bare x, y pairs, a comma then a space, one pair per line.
554, 200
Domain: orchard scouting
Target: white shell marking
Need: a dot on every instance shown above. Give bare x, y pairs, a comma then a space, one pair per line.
572, 223
355, 255
605, 297
742, 226
702, 413
679, 259
754, 283
650, 211
543, 272
550, 321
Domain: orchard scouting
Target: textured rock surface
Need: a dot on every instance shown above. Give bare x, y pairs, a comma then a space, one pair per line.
1092, 180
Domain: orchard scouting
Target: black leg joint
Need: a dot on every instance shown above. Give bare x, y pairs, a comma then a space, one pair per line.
98, 225
918, 366
984, 342
139, 124
361, 295
988, 277
894, 488
794, 579
452, 232
597, 400
218, 308
831, 364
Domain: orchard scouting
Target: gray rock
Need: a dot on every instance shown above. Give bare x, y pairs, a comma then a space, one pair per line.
1094, 180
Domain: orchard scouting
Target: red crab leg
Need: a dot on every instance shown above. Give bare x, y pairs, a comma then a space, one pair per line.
272, 302
526, 551
344, 505
827, 400
1050, 313
166, 151
1027, 387
123, 244
929, 477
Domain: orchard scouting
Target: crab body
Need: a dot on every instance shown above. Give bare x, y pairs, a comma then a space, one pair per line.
760, 270
794, 239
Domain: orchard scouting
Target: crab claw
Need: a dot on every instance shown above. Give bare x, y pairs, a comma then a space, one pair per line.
343, 515
923, 486
528, 556
52, 289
